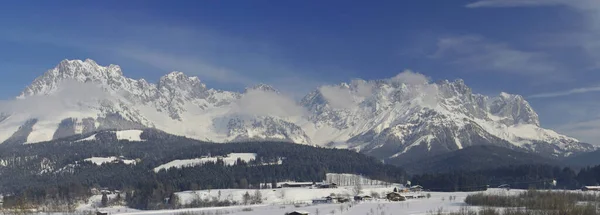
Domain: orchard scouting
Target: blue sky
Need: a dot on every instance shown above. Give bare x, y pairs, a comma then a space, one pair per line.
546, 50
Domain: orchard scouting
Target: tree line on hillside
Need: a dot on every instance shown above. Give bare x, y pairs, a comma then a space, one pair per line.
518, 176
34, 173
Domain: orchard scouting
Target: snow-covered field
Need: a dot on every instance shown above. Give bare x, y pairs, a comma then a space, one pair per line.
281, 201
90, 138
281, 195
230, 159
131, 135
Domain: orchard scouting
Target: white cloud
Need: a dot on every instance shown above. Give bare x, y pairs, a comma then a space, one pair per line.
410, 78
478, 54
566, 93
70, 96
344, 96
586, 38
425, 92
363, 88
338, 97
227, 61
588, 5
267, 103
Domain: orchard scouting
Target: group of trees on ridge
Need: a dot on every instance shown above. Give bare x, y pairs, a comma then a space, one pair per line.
37, 174
33, 172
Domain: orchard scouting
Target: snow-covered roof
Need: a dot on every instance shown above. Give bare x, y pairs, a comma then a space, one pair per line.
297, 183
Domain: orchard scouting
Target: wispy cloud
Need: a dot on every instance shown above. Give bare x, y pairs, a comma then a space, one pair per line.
566, 93
518, 3
221, 60
478, 54
586, 131
190, 65
586, 38
348, 96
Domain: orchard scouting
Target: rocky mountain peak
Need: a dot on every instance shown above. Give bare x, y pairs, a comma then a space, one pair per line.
515, 109
87, 71
176, 77
177, 83
262, 87
388, 117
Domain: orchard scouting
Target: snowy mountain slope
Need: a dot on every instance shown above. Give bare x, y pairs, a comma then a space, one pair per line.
395, 118
404, 115
92, 97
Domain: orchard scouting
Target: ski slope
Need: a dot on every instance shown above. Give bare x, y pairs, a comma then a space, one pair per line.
131, 135
230, 159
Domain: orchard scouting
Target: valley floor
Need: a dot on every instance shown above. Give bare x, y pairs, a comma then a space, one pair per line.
446, 202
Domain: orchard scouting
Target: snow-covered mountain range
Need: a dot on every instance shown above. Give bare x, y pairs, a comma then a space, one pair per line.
399, 116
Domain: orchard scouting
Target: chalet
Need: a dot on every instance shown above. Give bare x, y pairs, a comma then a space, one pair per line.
105, 191
590, 188
367, 198
395, 196
298, 213
324, 186
416, 188
342, 199
403, 190
298, 184
327, 200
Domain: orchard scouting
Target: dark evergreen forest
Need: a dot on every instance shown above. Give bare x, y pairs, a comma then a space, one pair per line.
536, 176
55, 170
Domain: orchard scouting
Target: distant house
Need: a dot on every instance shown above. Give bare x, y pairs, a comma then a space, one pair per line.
105, 191
591, 188
416, 188
323, 201
101, 213
395, 196
342, 199
298, 213
297, 184
324, 186
366, 198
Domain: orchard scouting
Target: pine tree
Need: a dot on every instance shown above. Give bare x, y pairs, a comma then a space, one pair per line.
257, 198
246, 198
104, 200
